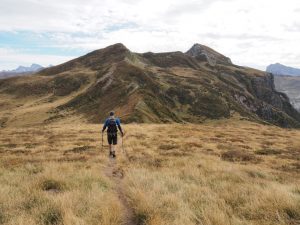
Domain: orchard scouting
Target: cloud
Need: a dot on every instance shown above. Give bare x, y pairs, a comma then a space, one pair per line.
188, 7
295, 27
243, 36
241, 29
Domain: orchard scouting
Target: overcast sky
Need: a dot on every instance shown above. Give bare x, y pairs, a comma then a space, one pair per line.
252, 33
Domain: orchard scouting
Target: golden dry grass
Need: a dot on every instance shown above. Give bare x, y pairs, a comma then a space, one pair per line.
221, 172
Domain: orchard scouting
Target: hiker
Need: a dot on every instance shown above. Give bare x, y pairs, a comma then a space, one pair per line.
112, 124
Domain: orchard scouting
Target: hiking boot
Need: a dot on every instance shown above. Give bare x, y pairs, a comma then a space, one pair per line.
113, 154
110, 154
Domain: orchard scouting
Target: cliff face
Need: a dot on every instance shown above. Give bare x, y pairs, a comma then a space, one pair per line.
273, 104
253, 90
152, 87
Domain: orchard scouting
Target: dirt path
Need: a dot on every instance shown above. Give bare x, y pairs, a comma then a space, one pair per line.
116, 174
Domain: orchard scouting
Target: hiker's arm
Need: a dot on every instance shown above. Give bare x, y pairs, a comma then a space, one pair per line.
119, 126
104, 126
120, 129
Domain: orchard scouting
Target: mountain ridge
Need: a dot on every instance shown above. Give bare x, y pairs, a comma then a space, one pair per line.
151, 87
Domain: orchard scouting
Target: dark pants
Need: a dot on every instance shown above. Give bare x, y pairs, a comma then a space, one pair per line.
112, 138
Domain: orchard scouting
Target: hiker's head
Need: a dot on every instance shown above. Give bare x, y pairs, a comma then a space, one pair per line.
112, 113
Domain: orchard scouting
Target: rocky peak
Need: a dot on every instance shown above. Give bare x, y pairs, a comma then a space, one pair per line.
204, 53
115, 49
117, 46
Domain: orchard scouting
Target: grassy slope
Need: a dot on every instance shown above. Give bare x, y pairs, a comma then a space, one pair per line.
221, 172
34, 99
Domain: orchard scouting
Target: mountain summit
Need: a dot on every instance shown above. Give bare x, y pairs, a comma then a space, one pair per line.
146, 87
93, 60
202, 52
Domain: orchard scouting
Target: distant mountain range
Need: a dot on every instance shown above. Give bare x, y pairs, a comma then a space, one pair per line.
290, 85
279, 69
287, 80
21, 70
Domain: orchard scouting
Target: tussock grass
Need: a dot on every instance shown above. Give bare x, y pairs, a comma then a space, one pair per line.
216, 173
51, 185
211, 184
60, 193
51, 215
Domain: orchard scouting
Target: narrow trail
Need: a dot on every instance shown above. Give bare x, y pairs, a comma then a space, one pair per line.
116, 174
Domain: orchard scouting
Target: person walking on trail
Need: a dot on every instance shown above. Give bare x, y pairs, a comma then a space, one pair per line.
112, 124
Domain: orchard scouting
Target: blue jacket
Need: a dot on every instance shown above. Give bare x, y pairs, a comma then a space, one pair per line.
118, 123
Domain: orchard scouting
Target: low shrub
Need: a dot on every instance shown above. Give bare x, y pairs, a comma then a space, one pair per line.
167, 146
268, 151
238, 156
